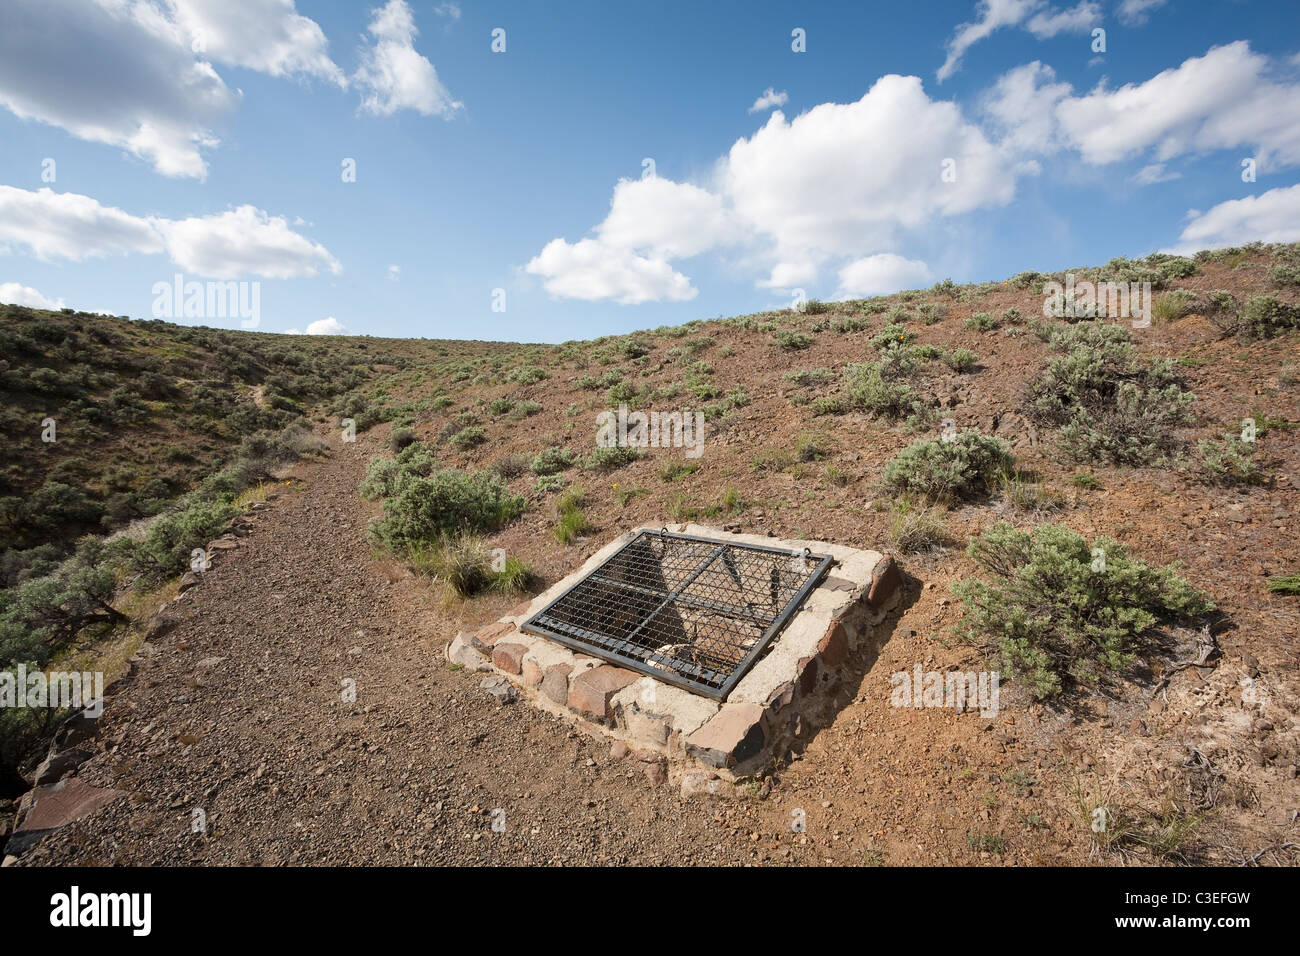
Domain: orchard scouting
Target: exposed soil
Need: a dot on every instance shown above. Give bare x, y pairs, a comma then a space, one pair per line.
288, 772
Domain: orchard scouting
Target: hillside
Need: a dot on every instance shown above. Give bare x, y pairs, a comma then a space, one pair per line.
1183, 727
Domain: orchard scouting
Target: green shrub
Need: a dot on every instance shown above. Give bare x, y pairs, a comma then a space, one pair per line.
1108, 405
447, 503
527, 375
166, 549
546, 484
898, 361
809, 376
929, 313
468, 437
1229, 463
1288, 584
792, 341
938, 470
1286, 265
1057, 622
892, 334
983, 322
865, 388
829, 405
552, 460
611, 457
850, 323
1261, 317
961, 360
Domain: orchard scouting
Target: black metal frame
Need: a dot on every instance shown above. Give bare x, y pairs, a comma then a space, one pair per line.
708, 680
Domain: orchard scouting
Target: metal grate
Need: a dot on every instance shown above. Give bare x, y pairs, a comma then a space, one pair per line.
689, 611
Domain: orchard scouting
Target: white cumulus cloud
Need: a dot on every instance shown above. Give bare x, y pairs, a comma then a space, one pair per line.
1036, 16
1135, 12
1226, 99
792, 197
593, 270
70, 226
881, 274
665, 218
15, 293
325, 326
269, 36
116, 72
769, 99
244, 241
1272, 216
392, 75
821, 185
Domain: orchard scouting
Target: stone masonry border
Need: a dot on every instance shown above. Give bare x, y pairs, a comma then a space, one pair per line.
674, 732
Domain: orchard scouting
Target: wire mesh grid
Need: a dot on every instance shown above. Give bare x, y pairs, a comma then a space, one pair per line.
690, 611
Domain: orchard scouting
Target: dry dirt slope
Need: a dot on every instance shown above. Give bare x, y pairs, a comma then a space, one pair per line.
423, 757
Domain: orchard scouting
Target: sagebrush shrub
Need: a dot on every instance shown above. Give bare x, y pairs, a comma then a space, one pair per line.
1062, 614
610, 458
893, 334
792, 341
939, 470
1109, 405
868, 389
1229, 463
552, 460
448, 502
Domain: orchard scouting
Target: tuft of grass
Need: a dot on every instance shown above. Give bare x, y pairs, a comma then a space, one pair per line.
675, 469
810, 448
571, 521
913, 527
1170, 306
467, 566
626, 495
1288, 584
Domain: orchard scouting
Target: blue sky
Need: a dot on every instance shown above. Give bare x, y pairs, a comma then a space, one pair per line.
207, 137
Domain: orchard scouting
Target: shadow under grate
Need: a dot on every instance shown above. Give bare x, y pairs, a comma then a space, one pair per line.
690, 611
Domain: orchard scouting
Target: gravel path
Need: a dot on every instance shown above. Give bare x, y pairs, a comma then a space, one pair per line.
239, 712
